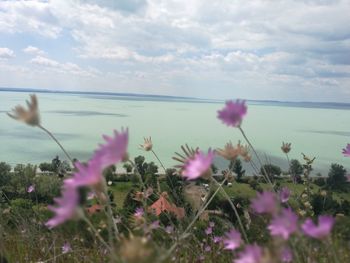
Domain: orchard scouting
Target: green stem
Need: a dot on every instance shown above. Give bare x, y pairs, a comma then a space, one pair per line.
257, 156
234, 209
184, 234
58, 143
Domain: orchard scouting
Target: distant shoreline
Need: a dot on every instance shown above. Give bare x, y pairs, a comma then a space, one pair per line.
299, 104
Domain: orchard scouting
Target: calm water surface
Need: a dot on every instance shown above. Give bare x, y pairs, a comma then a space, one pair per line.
78, 120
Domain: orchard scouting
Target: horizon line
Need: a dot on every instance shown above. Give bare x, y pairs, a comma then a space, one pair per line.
38, 90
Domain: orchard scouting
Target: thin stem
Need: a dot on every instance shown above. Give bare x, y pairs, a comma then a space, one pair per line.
234, 209
158, 184
159, 160
183, 235
96, 232
257, 156
58, 143
111, 223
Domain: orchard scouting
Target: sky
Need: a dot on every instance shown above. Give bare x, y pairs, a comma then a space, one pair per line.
292, 50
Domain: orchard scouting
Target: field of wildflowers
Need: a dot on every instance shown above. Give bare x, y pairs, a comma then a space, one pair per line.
158, 224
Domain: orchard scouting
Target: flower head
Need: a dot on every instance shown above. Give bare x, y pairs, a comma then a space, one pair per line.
209, 231
86, 175
346, 150
284, 194
229, 152
286, 147
244, 152
197, 166
264, 202
66, 207
114, 150
284, 224
147, 144
66, 248
322, 230
31, 189
232, 240
30, 116
233, 113
251, 254
139, 212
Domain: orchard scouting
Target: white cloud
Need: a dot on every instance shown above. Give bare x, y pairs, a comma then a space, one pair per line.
34, 51
64, 68
28, 16
193, 47
6, 53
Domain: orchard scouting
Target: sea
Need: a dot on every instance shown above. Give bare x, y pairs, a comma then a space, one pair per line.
79, 119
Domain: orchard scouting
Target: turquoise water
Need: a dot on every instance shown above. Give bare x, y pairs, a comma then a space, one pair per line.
78, 120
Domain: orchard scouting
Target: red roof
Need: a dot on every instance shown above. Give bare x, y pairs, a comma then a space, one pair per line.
163, 205
94, 209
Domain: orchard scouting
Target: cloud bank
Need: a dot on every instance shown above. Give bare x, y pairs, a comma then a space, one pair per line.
258, 49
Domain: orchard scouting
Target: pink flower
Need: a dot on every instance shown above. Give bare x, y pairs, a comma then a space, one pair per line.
251, 254
31, 189
139, 212
87, 175
324, 228
284, 194
232, 240
346, 151
114, 150
217, 239
286, 255
284, 224
264, 202
66, 206
66, 248
209, 231
154, 225
233, 113
198, 165
169, 229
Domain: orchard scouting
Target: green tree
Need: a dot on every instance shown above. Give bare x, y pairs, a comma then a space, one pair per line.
5, 170
336, 177
127, 167
237, 168
56, 163
46, 167
271, 170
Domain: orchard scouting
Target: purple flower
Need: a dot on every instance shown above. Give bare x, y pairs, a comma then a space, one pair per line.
217, 239
207, 248
209, 231
264, 202
232, 240
325, 225
31, 189
87, 175
233, 113
66, 206
114, 150
154, 225
198, 165
66, 248
284, 224
169, 229
139, 212
346, 151
284, 194
286, 255
348, 177
251, 254
212, 224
